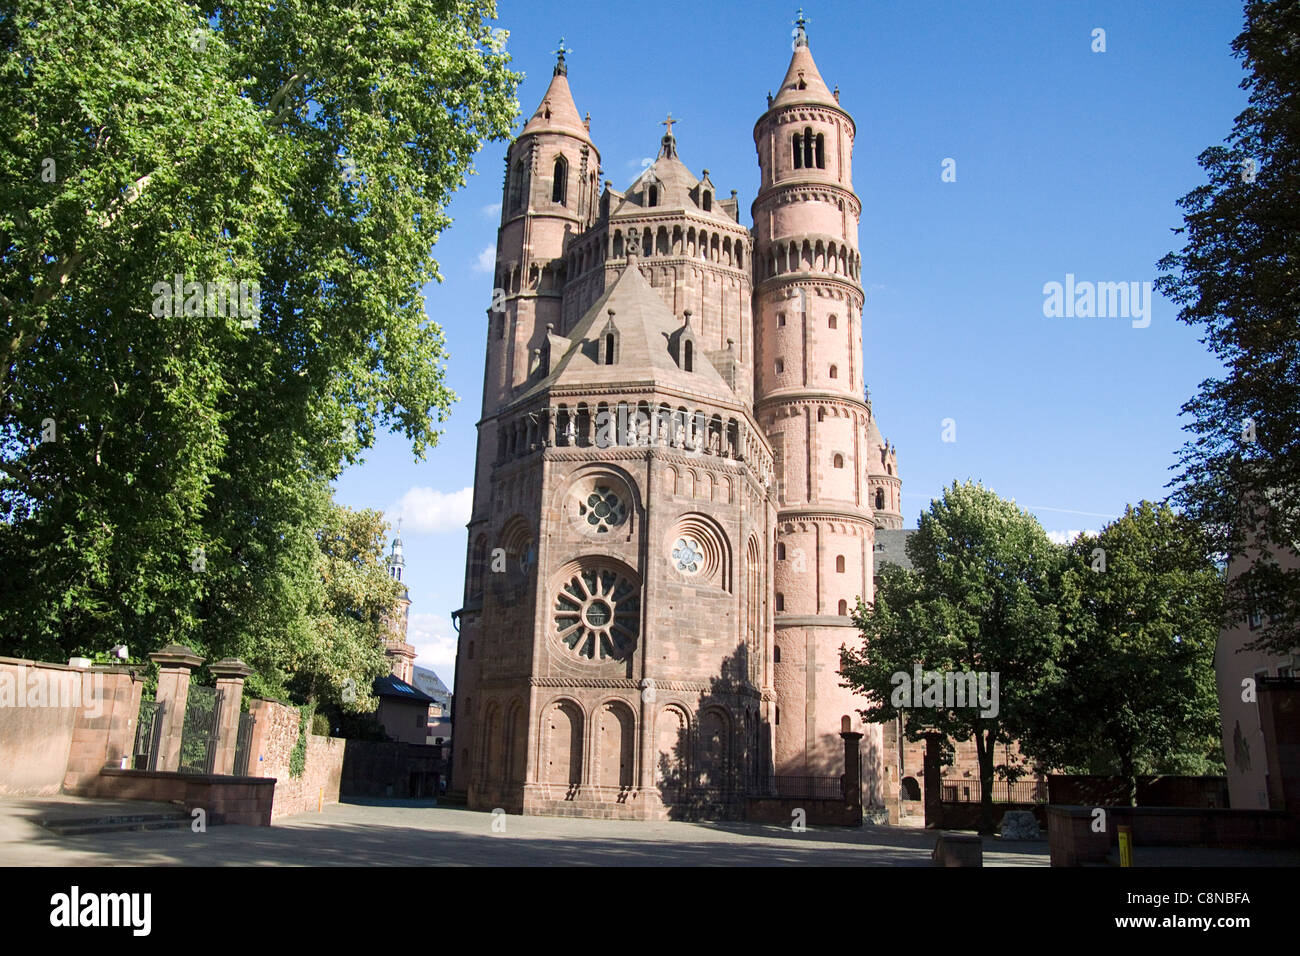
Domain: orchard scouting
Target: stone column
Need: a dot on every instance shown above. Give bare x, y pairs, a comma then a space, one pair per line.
174, 665
230, 674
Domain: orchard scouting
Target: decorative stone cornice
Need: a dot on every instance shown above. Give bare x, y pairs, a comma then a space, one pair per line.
812, 620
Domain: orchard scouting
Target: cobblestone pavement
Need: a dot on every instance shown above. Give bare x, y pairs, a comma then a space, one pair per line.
413, 833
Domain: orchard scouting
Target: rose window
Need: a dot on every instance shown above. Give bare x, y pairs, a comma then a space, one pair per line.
598, 615
603, 509
688, 555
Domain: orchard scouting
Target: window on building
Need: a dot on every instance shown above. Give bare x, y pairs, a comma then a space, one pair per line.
776, 655
780, 601
835, 372
780, 318
807, 147
654, 196
560, 181
821, 151
798, 152
880, 499
778, 715
780, 366
609, 349
780, 552
844, 609
690, 357
838, 461
832, 323
517, 187
839, 563
708, 201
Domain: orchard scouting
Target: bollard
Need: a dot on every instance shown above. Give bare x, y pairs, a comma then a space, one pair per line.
1125, 846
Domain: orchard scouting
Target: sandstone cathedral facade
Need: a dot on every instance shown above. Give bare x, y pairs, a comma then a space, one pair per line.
678, 480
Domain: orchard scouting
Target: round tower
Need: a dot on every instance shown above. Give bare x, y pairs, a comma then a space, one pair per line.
809, 400
549, 197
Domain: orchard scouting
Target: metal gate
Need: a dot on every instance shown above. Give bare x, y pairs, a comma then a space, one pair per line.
243, 745
199, 731
148, 731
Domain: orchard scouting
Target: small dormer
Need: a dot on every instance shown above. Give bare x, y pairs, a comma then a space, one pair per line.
705, 193
607, 343
683, 346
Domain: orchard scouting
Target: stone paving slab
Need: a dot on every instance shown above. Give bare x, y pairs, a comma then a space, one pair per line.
411, 833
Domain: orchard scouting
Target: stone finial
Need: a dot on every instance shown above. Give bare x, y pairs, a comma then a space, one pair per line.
230, 667
836, 93
769, 99
176, 654
731, 345
586, 120
550, 328
687, 313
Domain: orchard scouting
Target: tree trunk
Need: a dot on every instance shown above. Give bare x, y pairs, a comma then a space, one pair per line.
1130, 780
984, 748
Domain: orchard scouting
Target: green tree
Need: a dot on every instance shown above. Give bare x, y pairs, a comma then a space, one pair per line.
1237, 279
159, 460
1134, 690
981, 599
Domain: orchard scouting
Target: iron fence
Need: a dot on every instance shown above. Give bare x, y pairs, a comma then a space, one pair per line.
148, 732
802, 788
243, 746
1022, 791
199, 731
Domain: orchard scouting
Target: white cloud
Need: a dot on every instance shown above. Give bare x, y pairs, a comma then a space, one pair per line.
435, 644
429, 511
486, 260
1065, 537
492, 210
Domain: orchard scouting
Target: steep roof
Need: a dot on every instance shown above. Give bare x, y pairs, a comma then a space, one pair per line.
679, 188
645, 327
891, 547
391, 686
557, 112
803, 83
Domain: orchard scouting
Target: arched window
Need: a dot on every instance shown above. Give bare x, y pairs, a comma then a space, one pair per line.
835, 372
838, 461
880, 499
839, 564
690, 356
609, 349
844, 608
780, 601
653, 196
821, 414
776, 655
807, 147
780, 366
780, 318
708, 201
798, 152
780, 551
517, 187
778, 716
560, 184
821, 151
832, 323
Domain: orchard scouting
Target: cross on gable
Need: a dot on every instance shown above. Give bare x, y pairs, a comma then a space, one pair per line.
669, 123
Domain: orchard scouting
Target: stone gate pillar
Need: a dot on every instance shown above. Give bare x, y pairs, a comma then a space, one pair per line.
230, 674
852, 767
174, 665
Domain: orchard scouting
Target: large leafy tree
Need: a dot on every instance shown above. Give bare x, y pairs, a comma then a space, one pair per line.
1238, 279
1134, 689
980, 598
160, 467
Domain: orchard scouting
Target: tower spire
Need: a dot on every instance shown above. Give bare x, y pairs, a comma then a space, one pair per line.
560, 68
801, 35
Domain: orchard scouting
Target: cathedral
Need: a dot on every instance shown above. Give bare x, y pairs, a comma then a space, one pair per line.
679, 478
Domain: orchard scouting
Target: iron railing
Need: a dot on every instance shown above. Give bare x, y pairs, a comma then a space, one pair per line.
148, 732
802, 788
243, 746
969, 791
199, 731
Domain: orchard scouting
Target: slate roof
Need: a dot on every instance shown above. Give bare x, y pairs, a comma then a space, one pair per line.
391, 686
890, 544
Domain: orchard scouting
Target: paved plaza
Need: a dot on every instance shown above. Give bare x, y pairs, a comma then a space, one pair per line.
414, 833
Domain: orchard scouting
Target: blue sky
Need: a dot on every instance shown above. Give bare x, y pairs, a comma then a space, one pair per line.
1067, 161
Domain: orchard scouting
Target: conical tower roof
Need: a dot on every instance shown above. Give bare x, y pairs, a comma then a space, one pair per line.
557, 112
803, 83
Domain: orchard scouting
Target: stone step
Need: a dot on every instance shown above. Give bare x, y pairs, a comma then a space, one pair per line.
118, 822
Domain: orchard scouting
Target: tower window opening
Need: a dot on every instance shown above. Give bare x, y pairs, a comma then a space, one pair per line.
835, 372
780, 318
780, 601
821, 151
517, 187
839, 564
690, 357
654, 196
708, 201
832, 322
609, 349
776, 655
844, 608
807, 147
780, 366
838, 461
559, 188
798, 153
880, 499
780, 552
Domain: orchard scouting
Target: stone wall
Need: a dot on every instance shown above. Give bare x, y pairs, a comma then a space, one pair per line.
1168, 790
273, 740
1072, 840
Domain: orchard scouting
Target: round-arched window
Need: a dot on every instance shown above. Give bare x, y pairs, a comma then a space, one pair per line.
598, 614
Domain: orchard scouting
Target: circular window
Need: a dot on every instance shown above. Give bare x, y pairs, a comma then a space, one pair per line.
598, 615
602, 509
688, 555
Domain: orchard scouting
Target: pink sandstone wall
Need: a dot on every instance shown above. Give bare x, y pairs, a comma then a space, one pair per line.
273, 741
